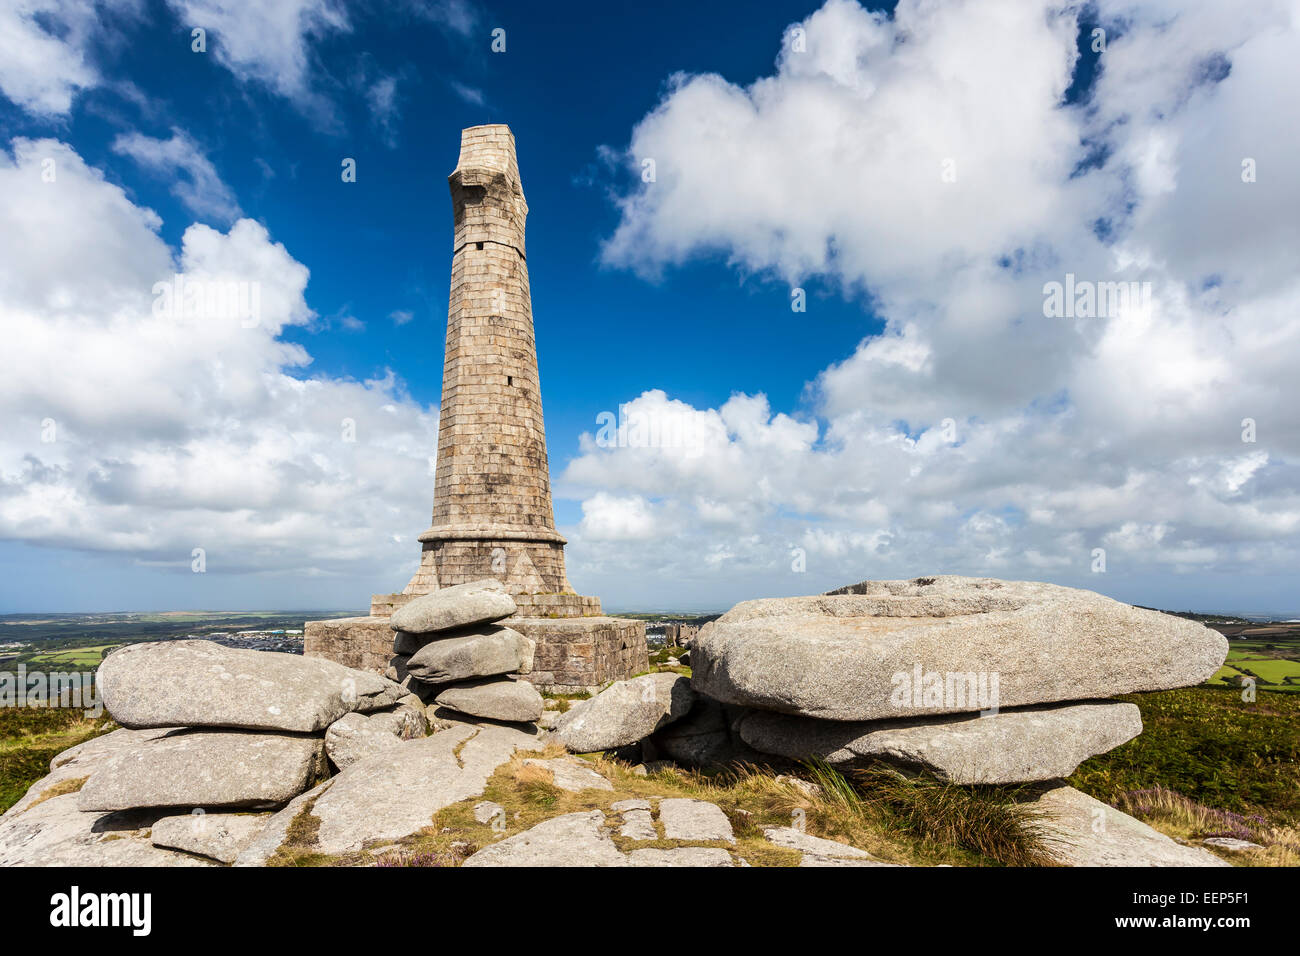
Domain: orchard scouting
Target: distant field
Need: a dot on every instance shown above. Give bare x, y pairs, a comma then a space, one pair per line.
1270, 653
76, 641
1272, 669
71, 657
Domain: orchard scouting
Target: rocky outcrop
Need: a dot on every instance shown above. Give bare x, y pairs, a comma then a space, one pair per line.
1082, 831
205, 768
478, 602
219, 836
54, 832
1011, 746
355, 737
626, 712
394, 794
202, 684
817, 851
574, 839
470, 669
494, 698
851, 654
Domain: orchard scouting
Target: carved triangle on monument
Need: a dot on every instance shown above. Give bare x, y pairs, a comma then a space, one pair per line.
524, 579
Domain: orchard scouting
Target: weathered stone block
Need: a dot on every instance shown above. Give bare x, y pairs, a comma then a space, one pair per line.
365, 643
584, 653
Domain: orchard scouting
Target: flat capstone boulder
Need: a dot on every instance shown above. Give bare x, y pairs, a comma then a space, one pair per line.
219, 836
203, 684
889, 649
206, 768
494, 698
480, 651
478, 602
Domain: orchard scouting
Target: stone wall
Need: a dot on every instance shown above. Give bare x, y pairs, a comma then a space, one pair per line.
530, 605
365, 643
573, 655
576, 655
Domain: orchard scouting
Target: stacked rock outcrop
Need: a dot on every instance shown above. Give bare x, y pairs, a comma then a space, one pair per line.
973, 679
263, 719
451, 651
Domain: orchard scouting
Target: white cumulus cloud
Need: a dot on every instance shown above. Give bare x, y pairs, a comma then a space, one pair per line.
151, 431
930, 159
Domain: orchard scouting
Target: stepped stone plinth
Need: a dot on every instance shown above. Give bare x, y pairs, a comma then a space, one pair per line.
492, 514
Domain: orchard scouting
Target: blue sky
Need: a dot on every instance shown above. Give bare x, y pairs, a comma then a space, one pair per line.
824, 423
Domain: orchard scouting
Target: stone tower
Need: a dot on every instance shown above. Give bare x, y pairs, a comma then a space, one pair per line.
492, 494
492, 514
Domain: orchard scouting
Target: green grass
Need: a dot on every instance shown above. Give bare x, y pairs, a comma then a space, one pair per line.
30, 737
1212, 747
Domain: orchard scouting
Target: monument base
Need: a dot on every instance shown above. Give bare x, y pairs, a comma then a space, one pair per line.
583, 654
363, 643
574, 654
530, 605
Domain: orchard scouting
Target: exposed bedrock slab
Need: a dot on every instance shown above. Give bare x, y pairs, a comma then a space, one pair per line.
686, 819
391, 795
495, 698
205, 768
54, 832
571, 774
219, 836
202, 684
480, 651
856, 656
1011, 746
268, 840
681, 856
818, 851
574, 839
625, 712
1082, 831
477, 602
